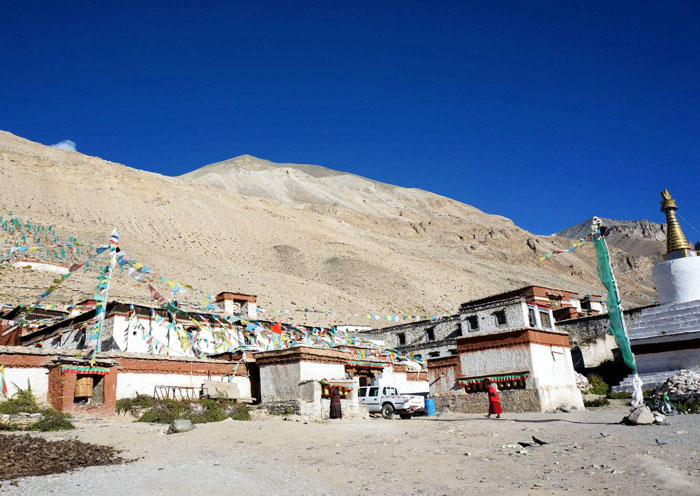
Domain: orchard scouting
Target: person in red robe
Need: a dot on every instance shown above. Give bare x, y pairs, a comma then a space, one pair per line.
494, 402
336, 411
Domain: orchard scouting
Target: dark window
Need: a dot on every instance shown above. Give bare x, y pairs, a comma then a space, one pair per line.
453, 351
430, 333
531, 316
473, 322
458, 330
362, 392
434, 354
544, 317
373, 391
500, 317
418, 356
402, 338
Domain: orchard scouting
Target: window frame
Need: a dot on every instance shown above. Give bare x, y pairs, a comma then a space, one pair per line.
500, 315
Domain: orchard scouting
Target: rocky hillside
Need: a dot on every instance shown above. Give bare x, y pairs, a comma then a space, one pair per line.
296, 235
636, 237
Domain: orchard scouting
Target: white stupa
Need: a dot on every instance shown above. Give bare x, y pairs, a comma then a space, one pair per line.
666, 338
677, 278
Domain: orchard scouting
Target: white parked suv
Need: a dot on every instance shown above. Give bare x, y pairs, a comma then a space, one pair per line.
385, 400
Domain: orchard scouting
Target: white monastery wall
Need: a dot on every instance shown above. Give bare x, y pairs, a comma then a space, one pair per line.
496, 360
400, 381
314, 371
38, 378
553, 376
129, 383
597, 352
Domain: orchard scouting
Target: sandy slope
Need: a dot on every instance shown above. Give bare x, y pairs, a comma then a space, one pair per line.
296, 235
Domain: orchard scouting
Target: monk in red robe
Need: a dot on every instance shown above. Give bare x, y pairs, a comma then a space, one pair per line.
336, 411
494, 403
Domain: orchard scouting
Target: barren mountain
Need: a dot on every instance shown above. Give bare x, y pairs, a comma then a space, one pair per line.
636, 237
296, 235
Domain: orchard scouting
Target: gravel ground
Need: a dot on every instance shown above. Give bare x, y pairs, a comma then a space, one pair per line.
468, 454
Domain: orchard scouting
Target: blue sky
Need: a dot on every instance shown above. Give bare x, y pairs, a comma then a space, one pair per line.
544, 113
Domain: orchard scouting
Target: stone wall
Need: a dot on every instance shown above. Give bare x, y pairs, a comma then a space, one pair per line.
416, 334
591, 338
446, 331
512, 401
291, 407
515, 311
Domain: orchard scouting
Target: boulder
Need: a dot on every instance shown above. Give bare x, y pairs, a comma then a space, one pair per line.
180, 425
659, 419
640, 416
582, 382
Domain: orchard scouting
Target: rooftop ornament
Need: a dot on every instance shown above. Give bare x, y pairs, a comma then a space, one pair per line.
677, 245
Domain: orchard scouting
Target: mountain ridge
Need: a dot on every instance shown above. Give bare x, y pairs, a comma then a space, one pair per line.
637, 237
337, 242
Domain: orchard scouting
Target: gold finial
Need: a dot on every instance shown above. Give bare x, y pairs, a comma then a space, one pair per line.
675, 239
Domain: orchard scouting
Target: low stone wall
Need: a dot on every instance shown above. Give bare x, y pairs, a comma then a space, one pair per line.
512, 401
291, 407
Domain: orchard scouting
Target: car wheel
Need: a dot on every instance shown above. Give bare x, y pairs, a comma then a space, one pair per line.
387, 411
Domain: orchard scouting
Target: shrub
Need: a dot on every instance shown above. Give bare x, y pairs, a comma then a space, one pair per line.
125, 405
240, 411
198, 411
53, 421
22, 401
687, 406
596, 402
598, 385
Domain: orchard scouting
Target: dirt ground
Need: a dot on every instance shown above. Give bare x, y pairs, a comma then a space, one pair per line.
445, 455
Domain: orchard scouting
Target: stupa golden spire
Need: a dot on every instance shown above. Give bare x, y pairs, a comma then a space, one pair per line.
675, 239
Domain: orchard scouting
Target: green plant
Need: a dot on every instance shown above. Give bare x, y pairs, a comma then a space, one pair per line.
22, 401
240, 411
198, 411
596, 402
125, 405
53, 421
687, 406
598, 385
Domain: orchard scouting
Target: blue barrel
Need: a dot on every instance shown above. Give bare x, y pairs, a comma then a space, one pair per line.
429, 407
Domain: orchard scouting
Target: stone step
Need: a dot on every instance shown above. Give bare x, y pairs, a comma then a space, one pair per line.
649, 381
667, 323
661, 331
680, 316
671, 307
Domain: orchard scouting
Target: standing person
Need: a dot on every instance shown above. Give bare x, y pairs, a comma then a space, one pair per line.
336, 412
494, 403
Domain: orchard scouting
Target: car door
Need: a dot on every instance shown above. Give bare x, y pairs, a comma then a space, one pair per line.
362, 395
372, 399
